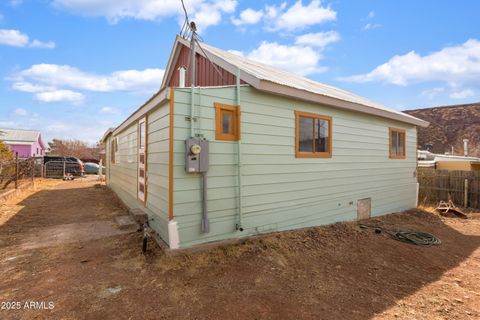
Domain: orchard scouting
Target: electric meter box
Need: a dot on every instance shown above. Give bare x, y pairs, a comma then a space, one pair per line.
196, 155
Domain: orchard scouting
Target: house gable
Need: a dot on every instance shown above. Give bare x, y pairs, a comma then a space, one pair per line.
208, 74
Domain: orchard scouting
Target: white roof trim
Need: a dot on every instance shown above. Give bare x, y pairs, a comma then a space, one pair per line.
106, 134
19, 143
265, 78
155, 100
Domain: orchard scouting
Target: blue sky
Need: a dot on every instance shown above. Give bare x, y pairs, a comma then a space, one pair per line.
73, 68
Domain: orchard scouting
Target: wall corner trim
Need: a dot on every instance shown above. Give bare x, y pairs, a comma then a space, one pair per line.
173, 236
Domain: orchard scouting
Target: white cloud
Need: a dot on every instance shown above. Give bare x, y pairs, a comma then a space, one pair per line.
432, 93
371, 26
15, 38
57, 127
15, 3
60, 96
8, 124
462, 94
319, 39
455, 65
43, 45
45, 77
248, 16
203, 12
29, 87
297, 59
298, 16
108, 110
20, 112
371, 15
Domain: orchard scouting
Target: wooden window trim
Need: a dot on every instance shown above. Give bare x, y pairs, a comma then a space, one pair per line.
398, 130
145, 154
219, 135
112, 150
299, 154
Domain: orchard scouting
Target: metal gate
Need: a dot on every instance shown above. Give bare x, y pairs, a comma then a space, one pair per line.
61, 169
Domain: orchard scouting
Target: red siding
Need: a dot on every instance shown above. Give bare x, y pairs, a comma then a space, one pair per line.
205, 76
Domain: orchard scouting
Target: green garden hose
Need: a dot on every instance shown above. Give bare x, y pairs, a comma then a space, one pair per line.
408, 236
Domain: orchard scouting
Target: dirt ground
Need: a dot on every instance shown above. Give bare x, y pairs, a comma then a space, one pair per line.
332, 272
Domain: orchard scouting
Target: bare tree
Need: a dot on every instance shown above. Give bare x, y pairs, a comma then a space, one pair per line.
74, 148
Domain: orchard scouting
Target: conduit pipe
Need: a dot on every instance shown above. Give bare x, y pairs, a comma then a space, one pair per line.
239, 225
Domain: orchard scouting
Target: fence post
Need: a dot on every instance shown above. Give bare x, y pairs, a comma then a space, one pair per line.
465, 194
33, 168
16, 170
64, 163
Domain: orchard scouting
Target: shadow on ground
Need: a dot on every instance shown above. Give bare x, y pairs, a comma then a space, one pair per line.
331, 272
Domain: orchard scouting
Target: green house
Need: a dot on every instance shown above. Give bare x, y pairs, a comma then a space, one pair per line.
253, 149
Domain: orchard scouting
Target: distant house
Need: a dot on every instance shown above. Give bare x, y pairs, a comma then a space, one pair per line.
28, 143
253, 149
427, 159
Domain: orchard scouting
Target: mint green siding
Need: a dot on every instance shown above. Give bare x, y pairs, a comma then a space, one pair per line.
157, 169
122, 175
281, 192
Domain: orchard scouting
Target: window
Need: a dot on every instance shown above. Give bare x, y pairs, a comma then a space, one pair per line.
397, 143
313, 136
227, 122
141, 133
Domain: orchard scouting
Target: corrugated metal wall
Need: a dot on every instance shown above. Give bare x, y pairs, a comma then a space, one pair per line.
205, 74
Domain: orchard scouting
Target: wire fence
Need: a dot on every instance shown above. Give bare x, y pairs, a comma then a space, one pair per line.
462, 187
62, 169
15, 172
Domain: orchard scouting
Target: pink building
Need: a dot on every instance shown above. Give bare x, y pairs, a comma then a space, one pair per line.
28, 143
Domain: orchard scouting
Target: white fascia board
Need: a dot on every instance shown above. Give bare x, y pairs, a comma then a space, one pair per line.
154, 101
330, 101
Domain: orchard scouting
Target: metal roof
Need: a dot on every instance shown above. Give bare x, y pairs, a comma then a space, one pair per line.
267, 78
19, 135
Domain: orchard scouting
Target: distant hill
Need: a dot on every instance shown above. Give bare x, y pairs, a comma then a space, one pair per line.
449, 125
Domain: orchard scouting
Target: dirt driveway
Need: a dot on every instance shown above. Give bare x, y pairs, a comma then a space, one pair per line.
332, 272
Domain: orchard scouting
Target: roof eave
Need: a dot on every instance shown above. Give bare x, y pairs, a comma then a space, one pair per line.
155, 100
279, 89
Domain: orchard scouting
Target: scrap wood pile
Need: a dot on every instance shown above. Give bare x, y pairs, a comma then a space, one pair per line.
447, 207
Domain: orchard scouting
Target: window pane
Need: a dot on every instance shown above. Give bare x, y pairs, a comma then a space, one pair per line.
227, 122
321, 135
393, 139
400, 146
142, 134
305, 131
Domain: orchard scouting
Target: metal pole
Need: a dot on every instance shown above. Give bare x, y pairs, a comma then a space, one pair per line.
465, 194
16, 170
64, 163
205, 222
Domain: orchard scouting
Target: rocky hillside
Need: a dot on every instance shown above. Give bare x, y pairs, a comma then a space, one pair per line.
449, 125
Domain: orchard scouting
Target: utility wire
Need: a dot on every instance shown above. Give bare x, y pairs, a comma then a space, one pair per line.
213, 64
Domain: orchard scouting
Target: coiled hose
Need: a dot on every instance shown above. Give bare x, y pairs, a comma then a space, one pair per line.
408, 236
